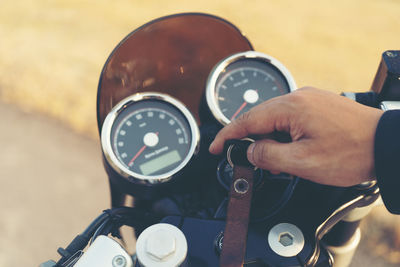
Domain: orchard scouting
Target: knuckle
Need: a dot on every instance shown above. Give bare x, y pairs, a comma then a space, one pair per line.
300, 99
261, 154
298, 96
243, 121
305, 88
243, 118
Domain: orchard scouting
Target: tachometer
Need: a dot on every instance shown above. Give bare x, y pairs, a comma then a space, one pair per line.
149, 137
244, 80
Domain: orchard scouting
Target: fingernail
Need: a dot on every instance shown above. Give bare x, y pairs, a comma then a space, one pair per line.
250, 153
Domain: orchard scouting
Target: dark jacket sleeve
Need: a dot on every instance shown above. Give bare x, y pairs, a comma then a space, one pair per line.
387, 159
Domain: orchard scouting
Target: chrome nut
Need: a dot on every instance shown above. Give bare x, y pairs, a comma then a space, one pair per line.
160, 245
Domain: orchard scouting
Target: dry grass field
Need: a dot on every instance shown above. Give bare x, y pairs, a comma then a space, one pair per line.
52, 52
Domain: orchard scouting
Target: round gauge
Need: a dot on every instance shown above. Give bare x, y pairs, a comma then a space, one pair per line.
244, 80
149, 137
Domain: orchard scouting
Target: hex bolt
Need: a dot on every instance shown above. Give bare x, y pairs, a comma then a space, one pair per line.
286, 239
119, 261
160, 245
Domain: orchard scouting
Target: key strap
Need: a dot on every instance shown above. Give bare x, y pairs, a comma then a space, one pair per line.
237, 219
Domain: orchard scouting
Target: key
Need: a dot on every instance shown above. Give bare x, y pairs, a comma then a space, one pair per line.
236, 152
238, 213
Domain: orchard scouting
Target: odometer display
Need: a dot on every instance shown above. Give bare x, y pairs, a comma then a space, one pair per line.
149, 137
161, 162
243, 81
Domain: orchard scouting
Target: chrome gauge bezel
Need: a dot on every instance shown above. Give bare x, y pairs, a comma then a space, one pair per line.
122, 170
221, 67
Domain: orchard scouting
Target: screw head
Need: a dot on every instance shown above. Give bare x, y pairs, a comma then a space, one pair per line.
119, 261
286, 239
160, 245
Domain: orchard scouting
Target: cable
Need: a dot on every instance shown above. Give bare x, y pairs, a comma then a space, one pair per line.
97, 232
220, 208
107, 222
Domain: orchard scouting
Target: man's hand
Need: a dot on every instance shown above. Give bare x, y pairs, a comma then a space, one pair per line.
332, 137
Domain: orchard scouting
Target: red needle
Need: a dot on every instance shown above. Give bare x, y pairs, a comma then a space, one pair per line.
238, 111
138, 153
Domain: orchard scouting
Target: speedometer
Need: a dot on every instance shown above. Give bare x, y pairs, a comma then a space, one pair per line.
149, 137
244, 80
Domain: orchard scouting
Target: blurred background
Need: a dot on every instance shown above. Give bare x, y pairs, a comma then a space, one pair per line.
51, 56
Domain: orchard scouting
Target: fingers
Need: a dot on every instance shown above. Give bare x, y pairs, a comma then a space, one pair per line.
237, 129
276, 157
259, 120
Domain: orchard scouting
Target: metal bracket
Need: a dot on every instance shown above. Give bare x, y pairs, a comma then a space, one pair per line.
364, 198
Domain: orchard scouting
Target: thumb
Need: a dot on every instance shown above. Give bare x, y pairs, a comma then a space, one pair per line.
271, 155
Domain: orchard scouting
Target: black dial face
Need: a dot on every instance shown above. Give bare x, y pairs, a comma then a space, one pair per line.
246, 83
151, 137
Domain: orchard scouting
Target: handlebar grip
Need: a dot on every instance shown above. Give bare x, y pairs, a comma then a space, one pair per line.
368, 98
386, 84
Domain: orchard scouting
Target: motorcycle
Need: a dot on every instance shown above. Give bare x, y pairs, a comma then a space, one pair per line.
163, 94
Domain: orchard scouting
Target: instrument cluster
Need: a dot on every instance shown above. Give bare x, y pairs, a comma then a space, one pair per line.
150, 137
